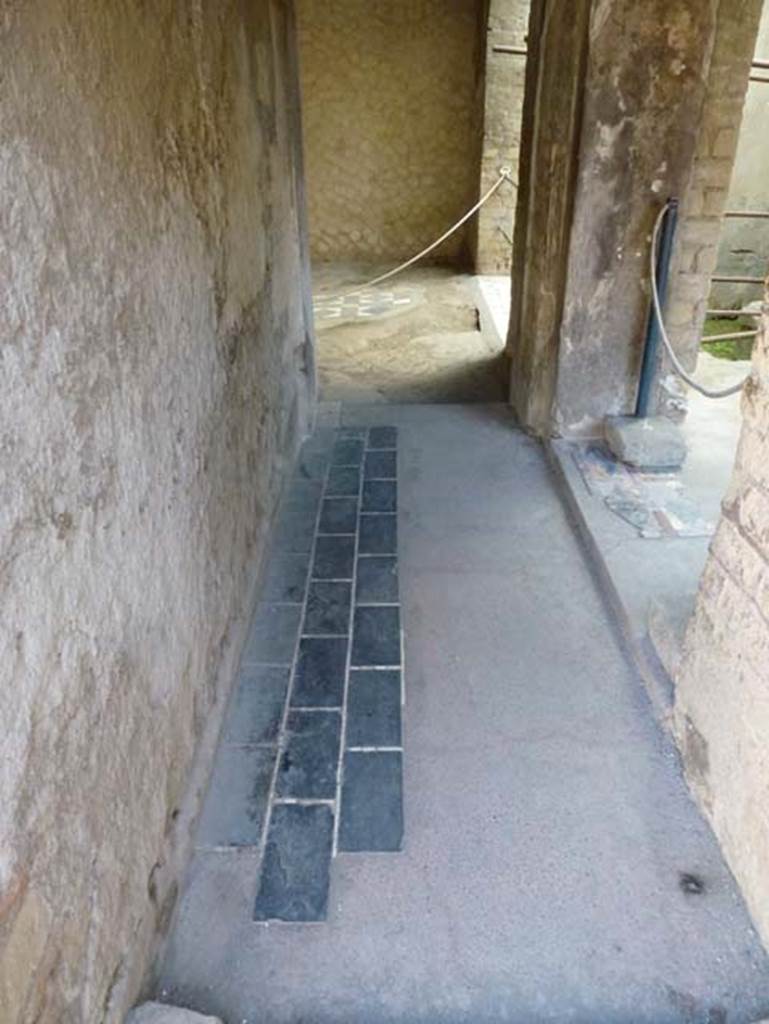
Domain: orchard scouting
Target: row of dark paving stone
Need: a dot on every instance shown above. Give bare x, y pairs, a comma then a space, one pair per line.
311, 758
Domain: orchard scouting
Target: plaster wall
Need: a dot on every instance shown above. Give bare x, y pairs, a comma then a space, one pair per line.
744, 244
391, 96
505, 79
721, 707
156, 375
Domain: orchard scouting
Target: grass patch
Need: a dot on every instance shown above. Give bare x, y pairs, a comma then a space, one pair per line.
736, 348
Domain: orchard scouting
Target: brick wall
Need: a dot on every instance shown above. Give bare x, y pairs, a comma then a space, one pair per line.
704, 201
503, 107
722, 689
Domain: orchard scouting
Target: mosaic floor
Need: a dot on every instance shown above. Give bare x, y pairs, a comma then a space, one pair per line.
310, 764
360, 304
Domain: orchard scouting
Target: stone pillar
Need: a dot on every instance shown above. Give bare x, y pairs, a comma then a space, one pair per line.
609, 132
550, 132
505, 76
722, 697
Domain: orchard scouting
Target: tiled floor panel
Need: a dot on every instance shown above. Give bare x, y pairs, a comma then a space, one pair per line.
311, 757
548, 825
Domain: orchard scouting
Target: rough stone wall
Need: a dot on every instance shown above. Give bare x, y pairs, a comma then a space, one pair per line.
505, 78
392, 140
155, 370
704, 197
722, 705
744, 244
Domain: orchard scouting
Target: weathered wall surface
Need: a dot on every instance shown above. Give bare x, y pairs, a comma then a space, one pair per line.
705, 195
645, 87
722, 703
391, 125
155, 376
661, 81
550, 133
744, 244
505, 78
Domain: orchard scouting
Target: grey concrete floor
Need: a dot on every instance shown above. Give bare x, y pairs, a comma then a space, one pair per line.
547, 822
653, 582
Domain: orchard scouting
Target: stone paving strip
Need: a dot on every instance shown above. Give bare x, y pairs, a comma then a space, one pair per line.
310, 763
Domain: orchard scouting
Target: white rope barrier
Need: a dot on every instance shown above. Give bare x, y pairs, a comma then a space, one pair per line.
504, 175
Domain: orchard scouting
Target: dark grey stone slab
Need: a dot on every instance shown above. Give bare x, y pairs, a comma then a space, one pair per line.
236, 803
377, 579
328, 608
343, 481
308, 765
295, 530
257, 704
347, 452
272, 637
339, 515
379, 496
372, 803
382, 437
307, 492
286, 577
378, 535
380, 465
376, 636
374, 709
319, 681
297, 858
334, 558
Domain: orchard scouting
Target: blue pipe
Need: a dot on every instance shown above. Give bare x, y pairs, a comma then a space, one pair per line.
652, 341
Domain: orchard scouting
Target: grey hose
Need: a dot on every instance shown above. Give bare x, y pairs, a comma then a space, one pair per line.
707, 392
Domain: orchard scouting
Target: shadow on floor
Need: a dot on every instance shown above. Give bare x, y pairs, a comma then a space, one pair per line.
417, 338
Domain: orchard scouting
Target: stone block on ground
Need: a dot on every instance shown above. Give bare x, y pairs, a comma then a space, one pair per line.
160, 1013
648, 443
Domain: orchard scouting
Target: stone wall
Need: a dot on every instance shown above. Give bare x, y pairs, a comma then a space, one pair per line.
156, 362
505, 78
704, 197
391, 121
744, 246
722, 702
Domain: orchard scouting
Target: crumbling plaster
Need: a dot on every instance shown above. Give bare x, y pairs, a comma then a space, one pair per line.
157, 373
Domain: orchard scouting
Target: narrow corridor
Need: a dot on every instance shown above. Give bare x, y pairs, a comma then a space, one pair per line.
553, 865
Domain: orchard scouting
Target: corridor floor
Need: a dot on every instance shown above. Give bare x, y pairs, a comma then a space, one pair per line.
553, 866
418, 338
